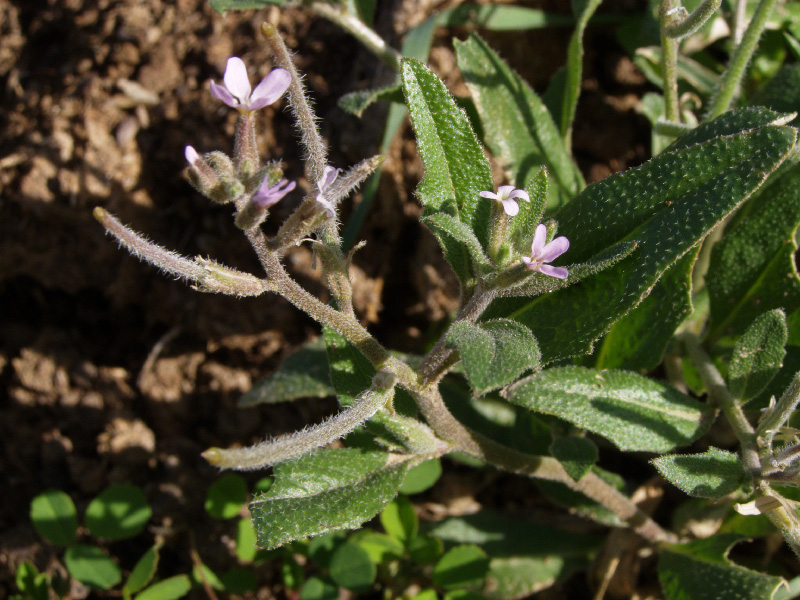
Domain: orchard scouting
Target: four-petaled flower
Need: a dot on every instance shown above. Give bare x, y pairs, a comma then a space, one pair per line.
237, 92
329, 175
268, 195
544, 253
506, 195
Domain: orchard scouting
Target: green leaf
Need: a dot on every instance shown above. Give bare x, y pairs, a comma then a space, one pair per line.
580, 504
223, 6
462, 566
319, 588
322, 547
246, 548
758, 356
704, 80
500, 17
226, 496
351, 567
782, 93
426, 594
447, 229
119, 512
713, 474
89, 565
518, 128
325, 491
752, 269
291, 572
171, 588
700, 570
302, 374
143, 571
520, 576
381, 547
35, 585
523, 226
577, 454
350, 371
667, 206
425, 549
456, 169
638, 340
239, 580
399, 520
421, 477
632, 411
494, 353
203, 575
357, 102
54, 517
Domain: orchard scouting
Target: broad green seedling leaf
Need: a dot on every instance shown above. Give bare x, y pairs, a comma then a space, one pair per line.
758, 356
171, 588
89, 565
700, 570
239, 580
421, 477
399, 520
325, 491
120, 511
302, 374
143, 572
351, 567
632, 411
713, 474
54, 517
460, 567
666, 205
319, 588
494, 353
226, 496
518, 128
246, 548
456, 170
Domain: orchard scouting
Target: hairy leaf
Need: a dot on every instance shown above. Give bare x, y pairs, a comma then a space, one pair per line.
758, 356
577, 454
713, 474
518, 128
634, 412
494, 353
325, 491
446, 227
523, 226
357, 102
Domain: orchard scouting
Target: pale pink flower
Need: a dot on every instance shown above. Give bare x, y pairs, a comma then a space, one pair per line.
268, 195
237, 92
506, 195
329, 175
542, 253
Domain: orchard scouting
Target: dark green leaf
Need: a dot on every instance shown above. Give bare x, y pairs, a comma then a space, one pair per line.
143, 572
517, 577
239, 580
462, 566
782, 93
54, 517
758, 356
357, 102
171, 588
89, 565
226, 496
319, 588
120, 511
700, 570
523, 226
399, 520
302, 374
421, 477
325, 491
223, 6
494, 353
577, 454
322, 547
456, 169
518, 128
632, 411
713, 474
667, 205
291, 572
351, 567
425, 549
447, 229
582, 505
350, 371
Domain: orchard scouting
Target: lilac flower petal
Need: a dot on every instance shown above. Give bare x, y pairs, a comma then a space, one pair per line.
270, 89
220, 92
520, 194
531, 264
490, 195
236, 80
510, 206
191, 155
328, 206
505, 191
557, 272
554, 249
539, 239
266, 196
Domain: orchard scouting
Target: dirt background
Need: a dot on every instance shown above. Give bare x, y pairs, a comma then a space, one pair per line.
112, 372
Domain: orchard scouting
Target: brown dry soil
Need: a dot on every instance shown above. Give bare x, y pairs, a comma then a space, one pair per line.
112, 372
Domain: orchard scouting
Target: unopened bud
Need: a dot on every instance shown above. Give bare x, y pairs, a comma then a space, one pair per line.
212, 174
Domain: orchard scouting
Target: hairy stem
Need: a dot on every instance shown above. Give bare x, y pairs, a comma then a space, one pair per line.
669, 61
694, 21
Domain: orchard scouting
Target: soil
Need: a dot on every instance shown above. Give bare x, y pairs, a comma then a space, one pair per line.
112, 372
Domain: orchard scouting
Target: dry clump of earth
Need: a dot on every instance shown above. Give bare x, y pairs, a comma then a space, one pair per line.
112, 372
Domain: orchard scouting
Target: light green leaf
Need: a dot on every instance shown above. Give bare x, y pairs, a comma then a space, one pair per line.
399, 520
352, 568
576, 454
456, 169
460, 567
752, 269
143, 571
171, 588
302, 374
666, 205
246, 548
638, 340
517, 577
700, 570
54, 517
758, 356
319, 588
119, 512
713, 474
357, 102
517, 126
223, 6
421, 477
226, 496
325, 491
203, 575
494, 353
381, 547
498, 17
632, 411
89, 565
